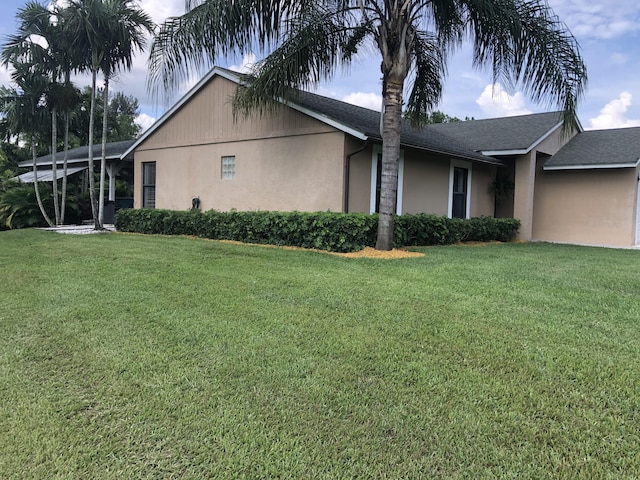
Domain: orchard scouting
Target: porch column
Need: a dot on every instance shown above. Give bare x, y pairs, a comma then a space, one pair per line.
112, 181
525, 176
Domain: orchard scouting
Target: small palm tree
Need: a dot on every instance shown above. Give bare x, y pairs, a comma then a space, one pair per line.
27, 113
522, 41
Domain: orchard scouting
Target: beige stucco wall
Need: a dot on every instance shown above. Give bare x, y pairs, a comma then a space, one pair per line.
525, 180
595, 207
208, 118
359, 176
425, 184
287, 161
482, 200
285, 173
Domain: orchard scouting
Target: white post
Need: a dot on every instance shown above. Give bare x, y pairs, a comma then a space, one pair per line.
112, 182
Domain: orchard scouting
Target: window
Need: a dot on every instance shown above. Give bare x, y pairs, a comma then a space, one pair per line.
228, 168
149, 185
459, 188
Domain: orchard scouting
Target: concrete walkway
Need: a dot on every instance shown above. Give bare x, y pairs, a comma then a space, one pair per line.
80, 229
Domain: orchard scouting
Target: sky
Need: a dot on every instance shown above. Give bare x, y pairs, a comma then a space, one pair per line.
608, 32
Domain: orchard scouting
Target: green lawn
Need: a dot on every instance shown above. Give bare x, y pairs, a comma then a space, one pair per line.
128, 356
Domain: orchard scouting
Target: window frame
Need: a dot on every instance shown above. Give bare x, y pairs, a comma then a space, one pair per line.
147, 185
228, 171
462, 164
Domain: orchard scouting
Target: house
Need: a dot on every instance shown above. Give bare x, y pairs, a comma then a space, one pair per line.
320, 154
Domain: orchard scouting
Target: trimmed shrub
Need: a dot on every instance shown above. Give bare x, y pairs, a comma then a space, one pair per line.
335, 232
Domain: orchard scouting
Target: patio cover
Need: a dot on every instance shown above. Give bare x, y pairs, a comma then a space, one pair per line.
47, 175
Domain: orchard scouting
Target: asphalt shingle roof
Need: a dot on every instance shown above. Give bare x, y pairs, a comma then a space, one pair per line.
599, 148
502, 134
368, 122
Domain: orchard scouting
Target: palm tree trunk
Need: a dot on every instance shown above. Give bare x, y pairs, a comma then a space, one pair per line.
35, 182
63, 200
103, 161
391, 123
92, 181
54, 166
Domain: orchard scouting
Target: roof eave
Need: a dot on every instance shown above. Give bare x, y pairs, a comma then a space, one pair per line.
488, 160
328, 120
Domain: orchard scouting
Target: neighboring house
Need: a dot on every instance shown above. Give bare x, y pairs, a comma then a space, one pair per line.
118, 166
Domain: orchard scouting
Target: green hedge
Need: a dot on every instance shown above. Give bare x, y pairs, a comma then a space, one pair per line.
337, 232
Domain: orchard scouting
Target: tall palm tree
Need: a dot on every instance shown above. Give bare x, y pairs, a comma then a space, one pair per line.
67, 95
125, 30
81, 23
522, 41
42, 39
109, 32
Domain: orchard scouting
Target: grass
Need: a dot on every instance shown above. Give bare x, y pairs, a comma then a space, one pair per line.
126, 356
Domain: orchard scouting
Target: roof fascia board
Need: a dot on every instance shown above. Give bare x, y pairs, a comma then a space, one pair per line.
29, 163
524, 151
488, 160
592, 167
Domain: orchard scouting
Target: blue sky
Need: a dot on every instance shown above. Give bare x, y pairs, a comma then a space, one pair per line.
608, 33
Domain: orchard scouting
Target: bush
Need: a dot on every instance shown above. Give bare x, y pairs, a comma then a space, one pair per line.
335, 232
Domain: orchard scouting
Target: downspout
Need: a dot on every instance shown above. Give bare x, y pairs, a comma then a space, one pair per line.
347, 173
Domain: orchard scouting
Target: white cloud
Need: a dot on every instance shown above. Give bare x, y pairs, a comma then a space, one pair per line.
619, 58
145, 121
160, 11
600, 20
496, 102
248, 61
5, 76
366, 100
613, 115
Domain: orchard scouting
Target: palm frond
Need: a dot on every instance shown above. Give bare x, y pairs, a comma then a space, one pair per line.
214, 28
430, 72
527, 45
318, 43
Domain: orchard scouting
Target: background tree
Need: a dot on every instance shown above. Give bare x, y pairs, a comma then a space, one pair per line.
27, 112
522, 41
121, 114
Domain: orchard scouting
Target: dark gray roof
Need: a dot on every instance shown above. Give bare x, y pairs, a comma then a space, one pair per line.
81, 154
614, 148
519, 133
368, 122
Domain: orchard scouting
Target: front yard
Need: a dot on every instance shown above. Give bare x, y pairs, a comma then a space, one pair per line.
129, 356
